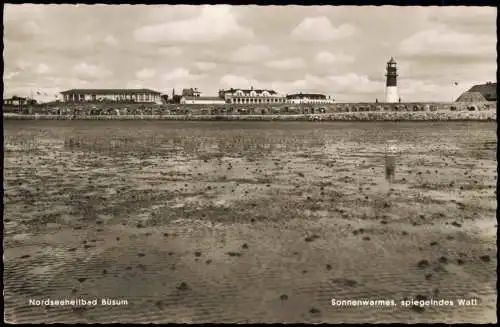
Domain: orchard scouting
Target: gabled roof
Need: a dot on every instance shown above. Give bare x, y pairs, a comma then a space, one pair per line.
487, 90
190, 91
258, 91
471, 97
110, 91
15, 97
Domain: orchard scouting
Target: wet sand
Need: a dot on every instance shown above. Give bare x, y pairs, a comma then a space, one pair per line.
263, 234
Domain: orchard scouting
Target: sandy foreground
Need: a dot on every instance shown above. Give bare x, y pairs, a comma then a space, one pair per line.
254, 238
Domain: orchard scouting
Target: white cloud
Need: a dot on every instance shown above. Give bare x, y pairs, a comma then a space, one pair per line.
171, 51
320, 29
23, 64
181, 74
135, 84
291, 63
10, 75
111, 40
84, 70
309, 83
423, 90
468, 16
209, 52
352, 82
251, 53
178, 73
31, 27
234, 81
68, 82
202, 65
325, 58
213, 24
444, 41
145, 73
45, 94
19, 12
42, 69
22, 32
140, 84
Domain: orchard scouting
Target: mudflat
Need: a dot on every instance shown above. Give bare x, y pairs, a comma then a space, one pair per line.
249, 221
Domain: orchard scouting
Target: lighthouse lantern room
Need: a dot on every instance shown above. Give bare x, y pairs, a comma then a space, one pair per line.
391, 87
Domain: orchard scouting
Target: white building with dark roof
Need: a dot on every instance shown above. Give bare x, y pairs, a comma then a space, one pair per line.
113, 95
313, 98
251, 96
16, 101
193, 96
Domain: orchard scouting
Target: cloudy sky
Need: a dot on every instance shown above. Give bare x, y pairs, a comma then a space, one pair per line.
339, 51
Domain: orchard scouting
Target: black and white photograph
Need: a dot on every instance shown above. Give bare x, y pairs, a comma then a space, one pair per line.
249, 164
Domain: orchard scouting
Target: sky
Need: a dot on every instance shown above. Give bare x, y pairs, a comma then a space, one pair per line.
340, 51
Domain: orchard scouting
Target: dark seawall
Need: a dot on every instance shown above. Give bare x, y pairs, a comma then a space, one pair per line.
486, 115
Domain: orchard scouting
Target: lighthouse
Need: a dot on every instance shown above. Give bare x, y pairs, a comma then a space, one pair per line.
391, 85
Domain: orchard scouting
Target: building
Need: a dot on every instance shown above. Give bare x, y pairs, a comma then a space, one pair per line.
251, 96
480, 93
193, 96
18, 101
313, 98
391, 85
112, 95
191, 92
201, 100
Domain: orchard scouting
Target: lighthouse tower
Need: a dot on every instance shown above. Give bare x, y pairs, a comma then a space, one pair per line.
391, 85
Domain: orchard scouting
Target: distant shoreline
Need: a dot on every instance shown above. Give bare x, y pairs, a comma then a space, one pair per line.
489, 115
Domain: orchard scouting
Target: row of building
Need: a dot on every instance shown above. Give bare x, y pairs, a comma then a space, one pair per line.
249, 96
478, 93
188, 96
